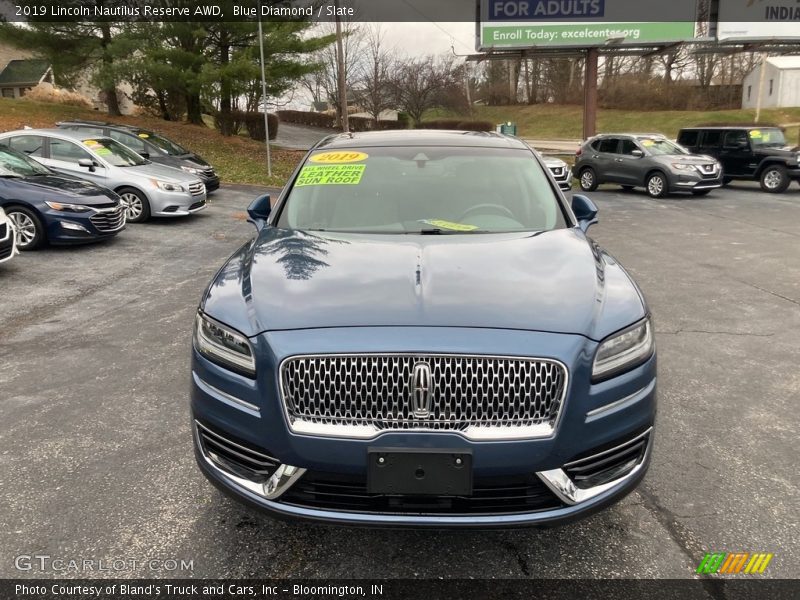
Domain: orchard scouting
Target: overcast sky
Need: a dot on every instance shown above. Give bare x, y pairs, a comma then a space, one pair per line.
429, 38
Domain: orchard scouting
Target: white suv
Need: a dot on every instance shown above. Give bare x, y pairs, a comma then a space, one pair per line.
8, 238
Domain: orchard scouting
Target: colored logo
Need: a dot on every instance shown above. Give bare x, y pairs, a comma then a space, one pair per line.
734, 562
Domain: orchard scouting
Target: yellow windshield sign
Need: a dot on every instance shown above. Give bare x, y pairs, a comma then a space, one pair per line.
450, 225
144, 135
338, 157
330, 175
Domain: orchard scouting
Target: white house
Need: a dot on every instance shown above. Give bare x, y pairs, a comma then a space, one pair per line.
781, 83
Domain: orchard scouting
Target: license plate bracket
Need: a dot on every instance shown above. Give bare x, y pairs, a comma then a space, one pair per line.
419, 472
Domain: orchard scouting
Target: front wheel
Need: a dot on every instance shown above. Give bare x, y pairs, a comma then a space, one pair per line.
30, 232
588, 180
137, 208
657, 185
775, 179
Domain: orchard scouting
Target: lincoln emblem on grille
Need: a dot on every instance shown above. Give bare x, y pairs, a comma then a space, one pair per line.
421, 389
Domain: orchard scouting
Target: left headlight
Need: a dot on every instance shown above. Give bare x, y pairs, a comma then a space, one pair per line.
60, 206
223, 346
682, 167
166, 186
192, 170
623, 351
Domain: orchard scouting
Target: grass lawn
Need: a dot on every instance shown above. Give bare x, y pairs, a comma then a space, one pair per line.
549, 121
236, 159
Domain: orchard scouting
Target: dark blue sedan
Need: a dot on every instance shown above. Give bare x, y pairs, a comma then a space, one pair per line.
422, 334
45, 206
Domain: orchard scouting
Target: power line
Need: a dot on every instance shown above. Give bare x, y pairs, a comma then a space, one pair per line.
453, 38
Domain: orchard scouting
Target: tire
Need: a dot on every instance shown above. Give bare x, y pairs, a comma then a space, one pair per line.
30, 231
700, 192
657, 185
774, 179
137, 207
588, 180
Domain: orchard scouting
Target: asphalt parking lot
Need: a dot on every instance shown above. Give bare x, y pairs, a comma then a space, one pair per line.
95, 449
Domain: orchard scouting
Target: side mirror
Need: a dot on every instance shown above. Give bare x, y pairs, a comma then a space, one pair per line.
637, 153
259, 210
585, 211
144, 154
87, 163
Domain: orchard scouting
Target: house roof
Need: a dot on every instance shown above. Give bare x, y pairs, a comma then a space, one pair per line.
785, 62
24, 72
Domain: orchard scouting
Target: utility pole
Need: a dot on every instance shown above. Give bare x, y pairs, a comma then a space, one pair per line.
340, 62
264, 90
590, 94
761, 85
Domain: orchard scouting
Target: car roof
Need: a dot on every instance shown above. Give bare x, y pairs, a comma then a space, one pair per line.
633, 135
421, 137
57, 133
118, 126
727, 127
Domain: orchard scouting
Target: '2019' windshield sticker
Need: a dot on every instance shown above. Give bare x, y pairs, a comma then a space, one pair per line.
338, 157
330, 175
449, 225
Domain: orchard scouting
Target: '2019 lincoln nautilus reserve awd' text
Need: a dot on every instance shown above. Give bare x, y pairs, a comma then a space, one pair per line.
422, 334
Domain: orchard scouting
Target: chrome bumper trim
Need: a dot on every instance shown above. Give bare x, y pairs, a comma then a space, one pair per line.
284, 478
562, 486
631, 399
226, 397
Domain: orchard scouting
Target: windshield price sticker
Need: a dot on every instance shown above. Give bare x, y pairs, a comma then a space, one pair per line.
648, 143
450, 225
338, 157
755, 134
330, 175
144, 136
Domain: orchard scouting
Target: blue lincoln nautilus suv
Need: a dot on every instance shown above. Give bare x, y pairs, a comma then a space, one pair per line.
422, 334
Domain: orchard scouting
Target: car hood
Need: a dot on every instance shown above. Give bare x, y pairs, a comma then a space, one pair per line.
53, 186
164, 173
557, 281
553, 162
688, 159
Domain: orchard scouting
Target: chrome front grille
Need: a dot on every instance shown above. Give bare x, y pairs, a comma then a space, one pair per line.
709, 170
197, 189
557, 171
108, 220
481, 397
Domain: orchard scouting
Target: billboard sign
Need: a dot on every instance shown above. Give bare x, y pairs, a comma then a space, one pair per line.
758, 20
519, 24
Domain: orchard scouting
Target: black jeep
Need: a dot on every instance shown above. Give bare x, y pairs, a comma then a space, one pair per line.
747, 152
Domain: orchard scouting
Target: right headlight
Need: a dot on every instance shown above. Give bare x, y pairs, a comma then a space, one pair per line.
223, 346
623, 351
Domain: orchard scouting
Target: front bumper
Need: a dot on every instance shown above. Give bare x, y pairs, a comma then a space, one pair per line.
683, 182
175, 204
563, 178
595, 417
8, 242
66, 228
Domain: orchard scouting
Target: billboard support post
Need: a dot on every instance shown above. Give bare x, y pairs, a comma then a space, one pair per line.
590, 94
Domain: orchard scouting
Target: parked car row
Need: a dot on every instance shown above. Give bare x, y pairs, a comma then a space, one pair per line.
704, 159
79, 184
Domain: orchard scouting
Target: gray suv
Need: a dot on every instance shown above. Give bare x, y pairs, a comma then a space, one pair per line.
650, 161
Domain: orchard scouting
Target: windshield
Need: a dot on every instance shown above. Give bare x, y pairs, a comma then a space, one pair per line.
422, 190
114, 153
767, 138
661, 147
161, 143
16, 164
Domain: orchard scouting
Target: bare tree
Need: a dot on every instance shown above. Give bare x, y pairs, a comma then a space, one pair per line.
323, 83
418, 83
375, 94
